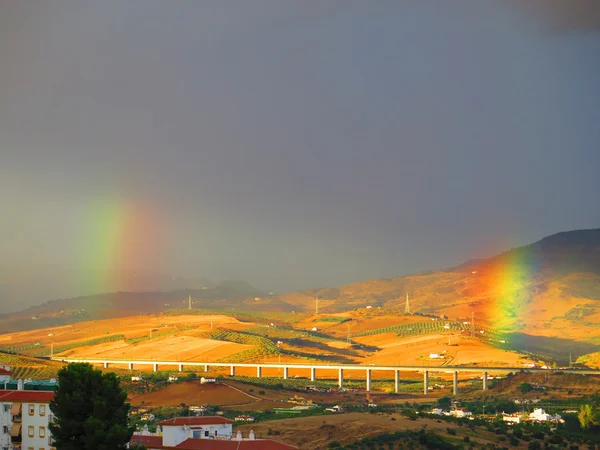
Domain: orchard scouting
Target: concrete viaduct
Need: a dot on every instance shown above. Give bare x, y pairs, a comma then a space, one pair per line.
312, 368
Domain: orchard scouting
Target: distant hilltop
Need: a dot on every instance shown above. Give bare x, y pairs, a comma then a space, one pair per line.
556, 277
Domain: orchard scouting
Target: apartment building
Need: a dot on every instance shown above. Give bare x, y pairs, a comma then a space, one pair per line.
24, 420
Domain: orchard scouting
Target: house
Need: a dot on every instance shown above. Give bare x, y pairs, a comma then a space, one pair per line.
180, 432
461, 412
5, 373
244, 418
437, 411
539, 415
178, 429
24, 419
512, 418
198, 410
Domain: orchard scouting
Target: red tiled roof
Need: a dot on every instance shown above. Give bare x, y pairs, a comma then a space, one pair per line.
147, 441
3, 371
26, 396
205, 420
215, 444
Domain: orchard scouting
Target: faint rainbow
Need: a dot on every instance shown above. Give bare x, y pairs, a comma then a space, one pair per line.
120, 237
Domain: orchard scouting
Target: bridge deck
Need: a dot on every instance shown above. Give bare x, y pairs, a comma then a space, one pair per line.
448, 369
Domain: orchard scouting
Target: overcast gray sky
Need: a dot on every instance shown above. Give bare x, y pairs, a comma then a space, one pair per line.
297, 143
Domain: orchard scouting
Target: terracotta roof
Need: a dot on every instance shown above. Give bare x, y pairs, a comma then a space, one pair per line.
3, 371
215, 444
205, 420
26, 396
147, 441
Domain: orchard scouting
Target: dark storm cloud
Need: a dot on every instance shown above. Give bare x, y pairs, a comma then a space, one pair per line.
562, 15
293, 144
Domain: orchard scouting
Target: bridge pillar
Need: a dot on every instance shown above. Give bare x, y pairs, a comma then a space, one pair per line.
341, 378
368, 380
130, 366
426, 382
232, 371
181, 367
396, 381
485, 381
155, 367
106, 365
258, 371
285, 373
206, 368
455, 384
313, 374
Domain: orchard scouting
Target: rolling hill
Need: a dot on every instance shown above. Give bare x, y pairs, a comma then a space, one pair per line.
545, 296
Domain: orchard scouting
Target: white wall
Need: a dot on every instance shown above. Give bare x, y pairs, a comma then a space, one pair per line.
37, 420
5, 421
174, 435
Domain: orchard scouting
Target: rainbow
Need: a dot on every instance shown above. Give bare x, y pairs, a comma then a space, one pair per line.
119, 237
508, 280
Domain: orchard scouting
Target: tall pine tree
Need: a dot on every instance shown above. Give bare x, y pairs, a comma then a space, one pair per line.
90, 410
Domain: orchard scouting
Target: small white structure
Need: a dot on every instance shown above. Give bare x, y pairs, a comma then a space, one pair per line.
437, 411
5, 373
314, 329
336, 408
208, 380
436, 356
137, 379
461, 412
244, 418
539, 415
512, 418
173, 378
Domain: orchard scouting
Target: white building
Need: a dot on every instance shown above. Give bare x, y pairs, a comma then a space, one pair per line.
539, 415
512, 418
178, 429
24, 420
188, 433
461, 412
5, 374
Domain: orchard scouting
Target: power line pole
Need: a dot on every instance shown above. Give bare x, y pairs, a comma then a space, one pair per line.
190, 303
317, 305
407, 306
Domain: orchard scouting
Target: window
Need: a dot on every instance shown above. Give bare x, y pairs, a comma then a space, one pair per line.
5, 429
31, 430
42, 432
31, 409
50, 418
206, 434
6, 408
42, 410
